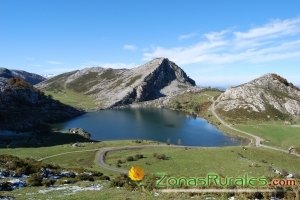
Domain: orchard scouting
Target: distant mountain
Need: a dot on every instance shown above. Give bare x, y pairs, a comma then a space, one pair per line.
115, 87
28, 77
23, 107
269, 96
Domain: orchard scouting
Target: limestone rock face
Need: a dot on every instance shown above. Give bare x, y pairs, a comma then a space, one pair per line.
116, 87
267, 92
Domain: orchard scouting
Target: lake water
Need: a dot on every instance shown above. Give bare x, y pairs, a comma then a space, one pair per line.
149, 124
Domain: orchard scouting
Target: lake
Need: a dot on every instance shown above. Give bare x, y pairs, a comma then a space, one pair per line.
149, 124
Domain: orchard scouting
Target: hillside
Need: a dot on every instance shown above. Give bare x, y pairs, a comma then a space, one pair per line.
23, 107
267, 97
28, 77
105, 88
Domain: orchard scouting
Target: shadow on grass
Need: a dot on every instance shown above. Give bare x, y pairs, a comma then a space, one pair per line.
46, 140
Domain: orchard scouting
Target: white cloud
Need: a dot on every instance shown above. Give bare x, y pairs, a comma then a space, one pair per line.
275, 28
186, 36
54, 62
276, 40
129, 47
214, 36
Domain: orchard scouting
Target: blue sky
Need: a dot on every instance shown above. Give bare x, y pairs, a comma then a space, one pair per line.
218, 43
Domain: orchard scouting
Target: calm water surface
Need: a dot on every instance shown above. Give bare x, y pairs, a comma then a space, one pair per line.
151, 124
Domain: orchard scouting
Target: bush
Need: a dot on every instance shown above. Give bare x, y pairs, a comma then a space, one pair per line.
48, 182
35, 180
120, 181
138, 156
5, 186
107, 178
130, 158
161, 157
97, 174
85, 177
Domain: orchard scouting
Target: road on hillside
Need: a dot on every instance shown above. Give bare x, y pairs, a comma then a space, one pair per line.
258, 140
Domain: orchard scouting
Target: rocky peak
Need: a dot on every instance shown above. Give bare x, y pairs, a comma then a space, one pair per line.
270, 93
272, 80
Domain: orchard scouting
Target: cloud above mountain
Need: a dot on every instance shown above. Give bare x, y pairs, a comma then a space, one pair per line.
278, 39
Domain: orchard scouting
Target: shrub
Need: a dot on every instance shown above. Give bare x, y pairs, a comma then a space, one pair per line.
120, 181
138, 156
35, 180
97, 174
48, 182
107, 178
5, 186
161, 157
130, 158
85, 177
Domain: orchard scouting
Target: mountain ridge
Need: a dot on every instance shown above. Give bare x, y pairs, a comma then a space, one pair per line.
116, 87
31, 78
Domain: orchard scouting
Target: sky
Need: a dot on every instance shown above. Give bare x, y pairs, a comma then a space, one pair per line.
217, 43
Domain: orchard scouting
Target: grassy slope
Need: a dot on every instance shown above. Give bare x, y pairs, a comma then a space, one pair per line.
194, 103
275, 134
188, 162
226, 161
191, 162
75, 99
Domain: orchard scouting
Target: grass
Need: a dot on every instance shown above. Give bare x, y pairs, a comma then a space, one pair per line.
133, 80
275, 133
108, 75
226, 161
106, 192
72, 98
193, 103
41, 152
84, 82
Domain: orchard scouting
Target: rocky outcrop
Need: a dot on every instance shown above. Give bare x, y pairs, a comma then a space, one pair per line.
25, 108
116, 87
265, 95
28, 77
80, 131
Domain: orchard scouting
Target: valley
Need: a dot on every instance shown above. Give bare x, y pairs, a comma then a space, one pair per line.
265, 134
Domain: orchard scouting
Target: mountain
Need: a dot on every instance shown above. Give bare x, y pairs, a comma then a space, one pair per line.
115, 87
28, 77
269, 96
23, 107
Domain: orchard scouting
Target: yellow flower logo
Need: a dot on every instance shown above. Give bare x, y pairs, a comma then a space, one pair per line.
136, 173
